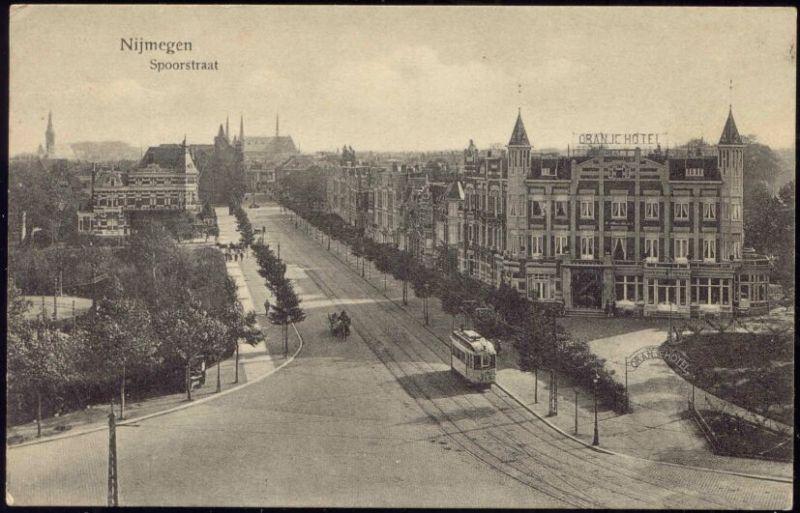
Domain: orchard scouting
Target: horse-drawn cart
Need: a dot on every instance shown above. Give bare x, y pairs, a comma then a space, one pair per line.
339, 325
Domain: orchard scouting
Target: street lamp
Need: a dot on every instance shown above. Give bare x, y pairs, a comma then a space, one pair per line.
596, 439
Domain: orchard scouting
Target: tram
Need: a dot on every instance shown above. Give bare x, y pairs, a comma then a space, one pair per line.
473, 357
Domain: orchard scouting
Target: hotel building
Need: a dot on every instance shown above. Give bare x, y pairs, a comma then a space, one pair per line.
613, 230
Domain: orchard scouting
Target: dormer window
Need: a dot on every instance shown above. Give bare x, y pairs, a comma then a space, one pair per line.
548, 171
696, 172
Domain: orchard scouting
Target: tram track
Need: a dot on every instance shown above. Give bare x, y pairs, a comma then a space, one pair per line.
575, 488
457, 434
531, 469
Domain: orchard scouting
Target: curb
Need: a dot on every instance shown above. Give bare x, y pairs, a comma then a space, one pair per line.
558, 429
167, 411
585, 444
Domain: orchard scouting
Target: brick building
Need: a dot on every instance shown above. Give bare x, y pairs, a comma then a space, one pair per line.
621, 230
165, 180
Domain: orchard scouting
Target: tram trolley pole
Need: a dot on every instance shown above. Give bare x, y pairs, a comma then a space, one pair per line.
113, 484
576, 410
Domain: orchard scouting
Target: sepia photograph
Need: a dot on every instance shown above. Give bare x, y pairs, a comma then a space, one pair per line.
383, 256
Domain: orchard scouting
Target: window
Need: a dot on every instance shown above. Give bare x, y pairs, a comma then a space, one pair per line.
651, 248
694, 171
619, 209
711, 291
682, 211
562, 245
619, 251
736, 212
709, 211
537, 243
521, 241
539, 286
629, 288
736, 252
682, 248
536, 209
561, 208
548, 171
587, 209
587, 247
651, 209
709, 249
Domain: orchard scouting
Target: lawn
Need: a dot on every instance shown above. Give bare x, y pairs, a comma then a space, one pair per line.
752, 370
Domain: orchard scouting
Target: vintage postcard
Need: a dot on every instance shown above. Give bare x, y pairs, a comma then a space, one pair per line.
405, 256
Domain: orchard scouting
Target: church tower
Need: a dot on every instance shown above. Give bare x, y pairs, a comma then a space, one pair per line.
50, 137
519, 157
730, 160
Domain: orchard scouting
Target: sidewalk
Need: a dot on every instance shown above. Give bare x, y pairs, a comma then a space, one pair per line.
658, 429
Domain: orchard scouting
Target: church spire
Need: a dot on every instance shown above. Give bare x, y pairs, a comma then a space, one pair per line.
50, 136
277, 125
241, 129
227, 132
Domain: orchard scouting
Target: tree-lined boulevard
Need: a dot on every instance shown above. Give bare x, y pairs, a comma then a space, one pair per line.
359, 423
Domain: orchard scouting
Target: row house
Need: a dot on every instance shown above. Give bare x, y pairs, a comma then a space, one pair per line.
613, 230
388, 196
165, 180
350, 195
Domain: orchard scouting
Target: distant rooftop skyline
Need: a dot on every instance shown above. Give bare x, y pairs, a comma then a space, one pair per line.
350, 75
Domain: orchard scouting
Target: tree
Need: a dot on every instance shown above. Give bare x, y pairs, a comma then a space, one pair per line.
286, 311
760, 162
240, 326
187, 332
120, 339
401, 270
16, 307
358, 252
423, 282
383, 261
218, 342
452, 301
40, 359
512, 307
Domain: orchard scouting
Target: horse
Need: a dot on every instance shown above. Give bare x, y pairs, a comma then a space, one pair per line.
339, 327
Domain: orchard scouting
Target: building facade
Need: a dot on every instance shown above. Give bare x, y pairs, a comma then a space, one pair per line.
619, 231
166, 180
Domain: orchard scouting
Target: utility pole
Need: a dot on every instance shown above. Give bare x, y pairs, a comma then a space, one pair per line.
236, 364
553, 394
596, 439
113, 485
55, 302
576, 410
627, 399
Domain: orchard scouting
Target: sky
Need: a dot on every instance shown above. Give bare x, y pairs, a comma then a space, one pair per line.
402, 78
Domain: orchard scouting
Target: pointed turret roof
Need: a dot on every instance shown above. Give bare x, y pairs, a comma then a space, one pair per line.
50, 121
221, 132
730, 135
518, 136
